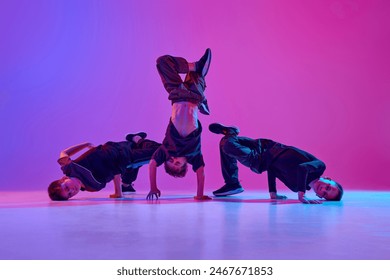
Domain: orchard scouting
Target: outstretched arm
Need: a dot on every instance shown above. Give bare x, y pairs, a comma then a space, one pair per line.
154, 191
200, 181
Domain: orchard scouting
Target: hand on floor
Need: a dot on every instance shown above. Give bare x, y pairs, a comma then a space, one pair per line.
153, 194
309, 201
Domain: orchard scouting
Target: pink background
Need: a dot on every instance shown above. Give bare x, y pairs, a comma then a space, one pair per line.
313, 74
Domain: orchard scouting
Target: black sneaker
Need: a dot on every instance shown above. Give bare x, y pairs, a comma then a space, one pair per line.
218, 128
229, 190
128, 189
129, 137
204, 108
202, 66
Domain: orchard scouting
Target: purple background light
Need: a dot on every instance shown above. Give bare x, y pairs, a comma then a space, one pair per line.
313, 74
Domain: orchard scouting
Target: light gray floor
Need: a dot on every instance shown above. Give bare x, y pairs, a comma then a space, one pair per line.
246, 226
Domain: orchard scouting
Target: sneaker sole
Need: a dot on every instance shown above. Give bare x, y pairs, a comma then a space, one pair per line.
236, 191
218, 128
206, 66
129, 136
204, 110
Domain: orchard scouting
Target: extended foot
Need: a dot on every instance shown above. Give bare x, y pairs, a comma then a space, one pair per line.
129, 137
203, 64
229, 189
219, 128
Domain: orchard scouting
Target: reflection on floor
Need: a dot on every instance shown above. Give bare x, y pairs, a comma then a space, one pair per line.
245, 226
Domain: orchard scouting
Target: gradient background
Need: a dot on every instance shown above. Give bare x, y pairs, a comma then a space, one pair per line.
313, 74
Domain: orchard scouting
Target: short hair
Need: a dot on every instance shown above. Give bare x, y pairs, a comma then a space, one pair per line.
340, 194
55, 191
174, 172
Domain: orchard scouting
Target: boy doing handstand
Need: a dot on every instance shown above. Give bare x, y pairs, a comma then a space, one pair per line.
182, 142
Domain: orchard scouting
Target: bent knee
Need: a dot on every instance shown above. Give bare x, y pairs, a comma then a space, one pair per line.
224, 143
228, 144
162, 59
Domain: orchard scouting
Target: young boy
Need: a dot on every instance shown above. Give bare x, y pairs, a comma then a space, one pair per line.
182, 143
99, 165
297, 169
